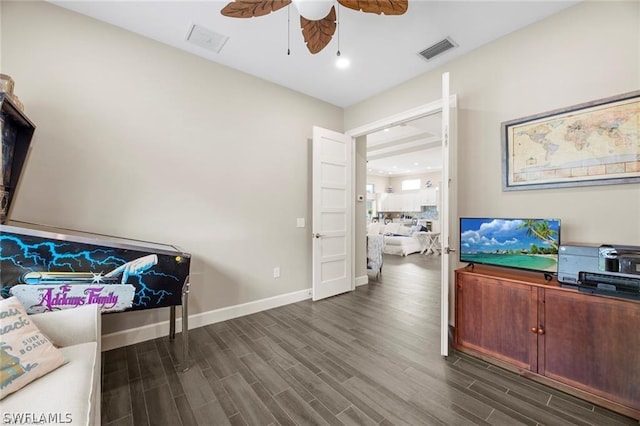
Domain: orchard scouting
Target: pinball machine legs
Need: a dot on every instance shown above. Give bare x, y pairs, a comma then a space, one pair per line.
185, 325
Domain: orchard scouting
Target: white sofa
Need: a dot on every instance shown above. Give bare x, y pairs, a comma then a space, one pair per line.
398, 239
70, 394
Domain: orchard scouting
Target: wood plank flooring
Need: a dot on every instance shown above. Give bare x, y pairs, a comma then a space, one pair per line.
370, 357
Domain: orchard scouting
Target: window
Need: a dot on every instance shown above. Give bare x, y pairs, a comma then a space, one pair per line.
410, 184
370, 188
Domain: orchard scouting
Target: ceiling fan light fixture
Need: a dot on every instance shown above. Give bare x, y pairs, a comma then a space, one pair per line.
342, 62
313, 10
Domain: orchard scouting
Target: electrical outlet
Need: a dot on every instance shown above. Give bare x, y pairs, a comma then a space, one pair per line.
276, 272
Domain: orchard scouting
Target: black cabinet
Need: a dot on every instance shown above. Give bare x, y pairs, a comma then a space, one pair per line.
16, 131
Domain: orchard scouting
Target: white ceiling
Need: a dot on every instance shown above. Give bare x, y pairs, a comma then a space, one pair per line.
383, 51
411, 148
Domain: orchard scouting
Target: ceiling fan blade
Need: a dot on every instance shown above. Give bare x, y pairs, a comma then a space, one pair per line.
252, 8
388, 7
317, 34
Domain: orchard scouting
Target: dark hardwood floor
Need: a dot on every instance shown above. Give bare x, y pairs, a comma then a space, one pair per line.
363, 358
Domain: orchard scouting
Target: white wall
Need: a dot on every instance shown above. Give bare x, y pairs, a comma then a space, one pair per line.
138, 139
588, 52
396, 181
380, 183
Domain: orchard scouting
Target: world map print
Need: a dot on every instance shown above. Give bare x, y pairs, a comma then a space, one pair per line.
599, 142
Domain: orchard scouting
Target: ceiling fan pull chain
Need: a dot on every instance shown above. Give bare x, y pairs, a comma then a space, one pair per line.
289, 29
338, 26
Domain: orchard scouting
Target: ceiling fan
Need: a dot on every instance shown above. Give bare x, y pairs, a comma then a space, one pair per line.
317, 17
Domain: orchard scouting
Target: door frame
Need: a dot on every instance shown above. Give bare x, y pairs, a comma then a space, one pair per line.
393, 120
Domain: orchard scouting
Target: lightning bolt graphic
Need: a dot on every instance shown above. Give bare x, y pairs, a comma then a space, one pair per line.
49, 254
145, 295
53, 256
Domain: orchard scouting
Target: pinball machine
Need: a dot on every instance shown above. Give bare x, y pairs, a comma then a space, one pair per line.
50, 268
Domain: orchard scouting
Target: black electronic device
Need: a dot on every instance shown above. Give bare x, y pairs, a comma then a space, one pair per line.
610, 270
609, 285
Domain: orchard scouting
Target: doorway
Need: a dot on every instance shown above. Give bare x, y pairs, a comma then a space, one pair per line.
404, 173
403, 179
356, 249
414, 136
447, 106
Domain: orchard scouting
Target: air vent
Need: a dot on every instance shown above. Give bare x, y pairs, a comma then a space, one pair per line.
438, 48
205, 38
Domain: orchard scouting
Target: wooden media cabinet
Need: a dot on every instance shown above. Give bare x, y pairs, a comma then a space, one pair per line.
583, 344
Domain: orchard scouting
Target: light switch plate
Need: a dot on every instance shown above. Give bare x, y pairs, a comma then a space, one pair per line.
300, 222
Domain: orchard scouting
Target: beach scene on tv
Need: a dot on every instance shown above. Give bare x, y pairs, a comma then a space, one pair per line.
516, 243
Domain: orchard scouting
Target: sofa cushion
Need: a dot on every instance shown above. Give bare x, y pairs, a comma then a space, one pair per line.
375, 228
403, 230
396, 240
66, 393
391, 228
25, 352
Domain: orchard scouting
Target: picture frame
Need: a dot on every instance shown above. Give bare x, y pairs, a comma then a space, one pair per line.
594, 143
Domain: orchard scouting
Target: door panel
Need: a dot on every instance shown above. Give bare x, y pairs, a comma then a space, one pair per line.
447, 210
333, 173
332, 221
495, 317
332, 198
580, 329
331, 189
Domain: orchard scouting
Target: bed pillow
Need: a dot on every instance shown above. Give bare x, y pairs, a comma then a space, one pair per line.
25, 353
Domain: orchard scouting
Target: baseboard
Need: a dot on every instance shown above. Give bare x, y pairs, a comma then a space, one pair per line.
160, 329
362, 280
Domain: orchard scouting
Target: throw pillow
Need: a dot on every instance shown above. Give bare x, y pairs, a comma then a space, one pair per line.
25, 353
415, 229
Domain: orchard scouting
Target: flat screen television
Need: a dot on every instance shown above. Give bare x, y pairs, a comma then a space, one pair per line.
521, 243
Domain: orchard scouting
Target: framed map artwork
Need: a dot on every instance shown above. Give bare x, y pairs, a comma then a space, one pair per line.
596, 143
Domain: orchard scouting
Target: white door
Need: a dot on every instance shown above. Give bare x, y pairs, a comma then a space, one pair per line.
331, 215
447, 211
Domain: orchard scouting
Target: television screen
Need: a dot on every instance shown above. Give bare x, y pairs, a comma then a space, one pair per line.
515, 243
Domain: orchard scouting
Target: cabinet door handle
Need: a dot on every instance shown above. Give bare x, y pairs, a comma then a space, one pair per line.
534, 330
541, 331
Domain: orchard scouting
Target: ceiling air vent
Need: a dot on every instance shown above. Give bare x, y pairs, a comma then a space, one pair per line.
438, 48
205, 38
